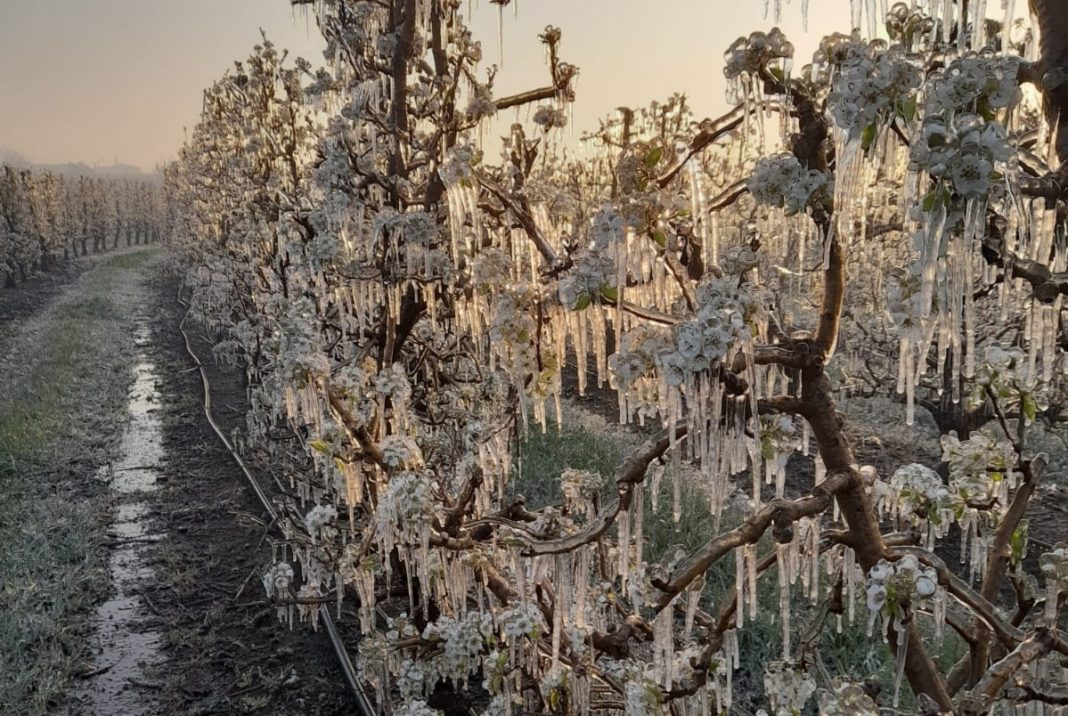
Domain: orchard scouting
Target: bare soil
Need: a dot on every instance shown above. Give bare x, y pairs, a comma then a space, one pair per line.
226, 652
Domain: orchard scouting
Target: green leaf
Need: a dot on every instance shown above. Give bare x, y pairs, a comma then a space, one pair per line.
1030, 407
777, 73
767, 450
653, 157
582, 302
868, 137
660, 238
985, 110
610, 293
319, 446
908, 109
933, 199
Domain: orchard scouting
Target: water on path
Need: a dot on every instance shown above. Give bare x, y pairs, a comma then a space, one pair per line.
124, 646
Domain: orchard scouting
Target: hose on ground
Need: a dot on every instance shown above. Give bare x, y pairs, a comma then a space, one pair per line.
327, 619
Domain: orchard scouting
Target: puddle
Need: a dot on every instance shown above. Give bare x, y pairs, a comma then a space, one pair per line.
123, 645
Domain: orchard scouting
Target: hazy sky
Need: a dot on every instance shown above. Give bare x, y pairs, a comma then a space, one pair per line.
100, 80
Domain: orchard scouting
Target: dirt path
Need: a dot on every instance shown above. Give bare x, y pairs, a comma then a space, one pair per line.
226, 652
64, 374
125, 644
130, 551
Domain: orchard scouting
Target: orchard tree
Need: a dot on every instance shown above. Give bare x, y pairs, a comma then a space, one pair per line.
405, 310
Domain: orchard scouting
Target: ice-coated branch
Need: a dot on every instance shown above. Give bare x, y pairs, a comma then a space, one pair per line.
711, 131
749, 532
521, 211
1034, 647
630, 472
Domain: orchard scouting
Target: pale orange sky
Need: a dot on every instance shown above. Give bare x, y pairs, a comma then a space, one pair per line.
100, 80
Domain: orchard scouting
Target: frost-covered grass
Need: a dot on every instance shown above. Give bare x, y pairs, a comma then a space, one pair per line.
63, 382
588, 442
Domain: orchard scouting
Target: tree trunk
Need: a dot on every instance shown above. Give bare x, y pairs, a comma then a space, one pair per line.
1052, 18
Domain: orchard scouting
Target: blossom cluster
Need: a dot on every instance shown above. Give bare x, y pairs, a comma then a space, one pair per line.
592, 276
974, 84
893, 585
1006, 374
320, 523
579, 487
781, 181
908, 26
463, 640
980, 468
407, 504
788, 689
919, 494
1054, 566
522, 620
962, 150
728, 311
636, 356
873, 87
846, 698
748, 55
548, 116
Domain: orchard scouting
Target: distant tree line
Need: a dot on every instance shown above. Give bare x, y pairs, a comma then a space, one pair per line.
46, 216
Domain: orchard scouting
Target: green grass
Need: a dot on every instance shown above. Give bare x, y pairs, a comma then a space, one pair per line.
849, 653
134, 259
63, 384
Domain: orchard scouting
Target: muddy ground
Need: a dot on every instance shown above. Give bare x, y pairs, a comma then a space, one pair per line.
130, 549
226, 652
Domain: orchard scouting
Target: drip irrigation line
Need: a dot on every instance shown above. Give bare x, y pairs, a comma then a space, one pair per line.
327, 619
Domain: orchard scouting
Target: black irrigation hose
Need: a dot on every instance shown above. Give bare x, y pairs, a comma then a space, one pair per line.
327, 619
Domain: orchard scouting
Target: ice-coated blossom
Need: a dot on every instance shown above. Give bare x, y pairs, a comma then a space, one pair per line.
846, 698
491, 269
320, 523
1054, 566
873, 87
463, 640
416, 708
781, 181
277, 580
909, 26
973, 84
978, 466
636, 356
607, 228
522, 620
920, 493
548, 116
788, 688
410, 228
893, 585
1006, 373
579, 487
727, 313
458, 167
481, 103
747, 55
407, 505
392, 383
592, 277
964, 151
401, 451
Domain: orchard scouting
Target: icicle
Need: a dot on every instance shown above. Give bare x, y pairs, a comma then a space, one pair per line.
739, 585
848, 569
639, 518
782, 558
902, 652
624, 548
751, 579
